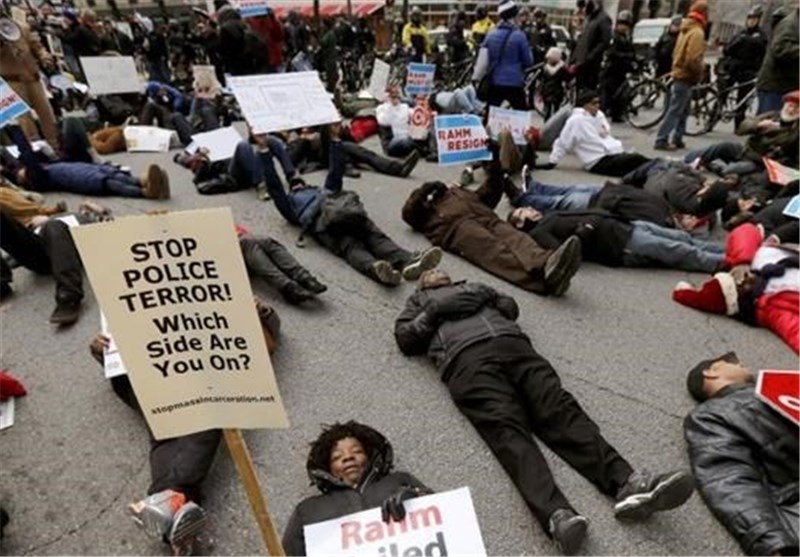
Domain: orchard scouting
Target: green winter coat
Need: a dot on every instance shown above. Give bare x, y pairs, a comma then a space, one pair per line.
779, 72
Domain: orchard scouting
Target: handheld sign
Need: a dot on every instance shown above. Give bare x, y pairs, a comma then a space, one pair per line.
148, 139
11, 105
792, 208
379, 79
419, 79
461, 139
250, 8
778, 173
439, 524
780, 389
176, 294
110, 75
283, 101
515, 121
220, 143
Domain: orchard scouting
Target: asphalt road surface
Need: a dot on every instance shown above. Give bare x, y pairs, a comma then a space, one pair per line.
77, 455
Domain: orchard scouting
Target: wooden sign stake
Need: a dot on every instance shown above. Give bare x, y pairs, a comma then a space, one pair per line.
258, 501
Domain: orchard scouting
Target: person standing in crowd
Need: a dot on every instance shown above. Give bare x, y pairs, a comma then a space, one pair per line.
79, 34
156, 52
482, 25
298, 35
780, 73
503, 59
742, 58
509, 392
415, 37
351, 465
542, 38
242, 51
688, 69
328, 55
619, 62
666, 45
457, 46
592, 44
744, 456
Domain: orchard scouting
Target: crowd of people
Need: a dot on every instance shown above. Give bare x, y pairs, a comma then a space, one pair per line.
645, 212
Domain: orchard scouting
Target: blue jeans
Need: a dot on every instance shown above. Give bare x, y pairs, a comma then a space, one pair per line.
674, 123
728, 153
651, 244
769, 101
545, 197
400, 147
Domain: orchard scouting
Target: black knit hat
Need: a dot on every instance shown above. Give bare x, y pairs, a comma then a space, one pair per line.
695, 380
585, 96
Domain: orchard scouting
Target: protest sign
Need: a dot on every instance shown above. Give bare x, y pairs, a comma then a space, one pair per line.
220, 143
109, 75
176, 294
148, 139
780, 389
7, 413
419, 125
112, 361
515, 121
778, 173
205, 82
379, 79
11, 105
792, 208
440, 524
250, 8
461, 138
419, 79
283, 101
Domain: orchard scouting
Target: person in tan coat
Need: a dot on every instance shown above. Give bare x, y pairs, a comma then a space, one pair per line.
687, 70
20, 63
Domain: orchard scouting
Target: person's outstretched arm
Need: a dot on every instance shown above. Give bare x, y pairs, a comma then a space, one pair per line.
415, 326
276, 189
335, 178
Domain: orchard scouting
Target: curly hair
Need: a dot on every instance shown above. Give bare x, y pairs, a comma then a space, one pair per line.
320, 453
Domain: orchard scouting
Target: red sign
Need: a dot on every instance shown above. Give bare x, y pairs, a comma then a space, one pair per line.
781, 390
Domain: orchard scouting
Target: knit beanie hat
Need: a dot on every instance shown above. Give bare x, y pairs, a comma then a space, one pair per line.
718, 295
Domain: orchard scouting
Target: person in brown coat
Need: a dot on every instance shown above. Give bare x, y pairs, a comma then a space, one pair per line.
464, 222
20, 62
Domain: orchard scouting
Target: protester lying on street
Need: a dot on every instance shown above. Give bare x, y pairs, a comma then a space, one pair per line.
351, 465
744, 456
509, 392
610, 240
779, 228
25, 206
587, 134
462, 100
165, 104
50, 252
178, 466
464, 223
83, 178
267, 258
774, 135
762, 288
337, 219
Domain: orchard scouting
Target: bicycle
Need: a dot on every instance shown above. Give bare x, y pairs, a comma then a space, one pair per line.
727, 108
647, 101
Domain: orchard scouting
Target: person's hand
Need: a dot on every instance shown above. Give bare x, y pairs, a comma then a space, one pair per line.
98, 346
392, 508
767, 125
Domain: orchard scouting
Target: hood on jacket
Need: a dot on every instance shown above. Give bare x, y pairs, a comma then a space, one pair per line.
417, 207
380, 456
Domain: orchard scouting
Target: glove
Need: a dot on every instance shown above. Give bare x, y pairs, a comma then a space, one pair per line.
547, 166
392, 507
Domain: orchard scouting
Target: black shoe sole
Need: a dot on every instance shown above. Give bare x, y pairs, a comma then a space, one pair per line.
669, 493
573, 535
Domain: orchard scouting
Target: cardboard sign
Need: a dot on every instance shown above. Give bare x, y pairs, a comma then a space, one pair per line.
778, 173
780, 389
379, 79
419, 79
109, 75
419, 125
460, 139
440, 524
175, 291
284, 101
221, 143
11, 105
250, 8
515, 121
792, 208
148, 139
7, 413
112, 361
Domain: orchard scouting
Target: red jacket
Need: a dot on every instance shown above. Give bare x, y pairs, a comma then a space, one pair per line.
270, 29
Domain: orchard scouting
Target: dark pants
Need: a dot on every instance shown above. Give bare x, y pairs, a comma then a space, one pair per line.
618, 165
361, 247
514, 95
180, 463
509, 392
52, 251
75, 145
359, 155
270, 260
247, 167
588, 78
203, 115
168, 119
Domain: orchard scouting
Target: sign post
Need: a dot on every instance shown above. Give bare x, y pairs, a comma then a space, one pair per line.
780, 389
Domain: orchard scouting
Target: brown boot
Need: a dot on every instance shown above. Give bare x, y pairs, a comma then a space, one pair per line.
155, 184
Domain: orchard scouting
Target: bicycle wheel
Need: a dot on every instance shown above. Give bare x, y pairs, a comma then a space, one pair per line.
647, 104
533, 93
703, 111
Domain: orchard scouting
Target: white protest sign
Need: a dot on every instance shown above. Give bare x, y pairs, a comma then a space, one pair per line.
109, 75
112, 361
11, 105
379, 79
461, 138
250, 8
419, 125
7, 413
148, 139
515, 121
176, 293
221, 143
283, 101
419, 79
792, 208
440, 524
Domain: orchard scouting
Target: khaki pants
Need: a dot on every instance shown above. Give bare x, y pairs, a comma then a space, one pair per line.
33, 93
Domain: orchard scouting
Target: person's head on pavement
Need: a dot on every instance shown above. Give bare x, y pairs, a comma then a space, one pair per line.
589, 100
435, 278
709, 377
524, 218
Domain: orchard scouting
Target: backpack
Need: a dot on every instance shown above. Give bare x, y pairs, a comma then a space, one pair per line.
340, 210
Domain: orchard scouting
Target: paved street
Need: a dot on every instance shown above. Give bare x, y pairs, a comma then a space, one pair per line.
77, 455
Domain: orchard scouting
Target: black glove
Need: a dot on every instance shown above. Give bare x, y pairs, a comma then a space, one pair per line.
392, 507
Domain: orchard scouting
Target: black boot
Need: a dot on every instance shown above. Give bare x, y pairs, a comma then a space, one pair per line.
295, 294
310, 282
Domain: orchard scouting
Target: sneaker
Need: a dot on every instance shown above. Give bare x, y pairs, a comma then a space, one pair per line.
568, 530
663, 147
262, 193
187, 524
310, 283
385, 273
422, 262
296, 294
409, 163
679, 144
66, 313
154, 514
644, 493
561, 266
467, 177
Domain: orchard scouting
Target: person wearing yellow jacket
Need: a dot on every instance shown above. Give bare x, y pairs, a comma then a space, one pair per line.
483, 24
415, 37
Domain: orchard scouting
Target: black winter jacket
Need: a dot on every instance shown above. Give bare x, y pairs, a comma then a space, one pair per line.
680, 185
631, 204
435, 321
338, 499
744, 457
593, 42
